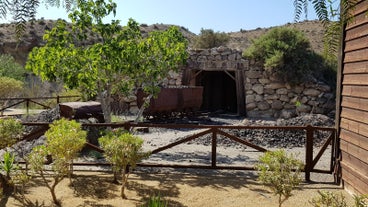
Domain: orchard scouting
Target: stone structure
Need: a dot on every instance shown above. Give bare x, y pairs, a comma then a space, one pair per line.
266, 96
258, 94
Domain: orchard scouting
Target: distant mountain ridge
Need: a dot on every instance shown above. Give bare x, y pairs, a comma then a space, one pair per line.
238, 40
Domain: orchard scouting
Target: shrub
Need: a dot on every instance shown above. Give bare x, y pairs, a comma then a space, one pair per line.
280, 172
122, 150
210, 39
64, 140
10, 68
286, 53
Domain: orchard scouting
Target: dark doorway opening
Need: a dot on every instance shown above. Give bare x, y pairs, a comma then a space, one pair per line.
219, 91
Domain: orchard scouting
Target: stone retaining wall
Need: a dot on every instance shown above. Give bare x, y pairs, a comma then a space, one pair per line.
266, 96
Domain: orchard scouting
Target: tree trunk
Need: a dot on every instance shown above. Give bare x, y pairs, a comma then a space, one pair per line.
124, 180
52, 190
105, 99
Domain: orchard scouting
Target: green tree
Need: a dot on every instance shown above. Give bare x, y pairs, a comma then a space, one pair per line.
209, 39
122, 150
280, 172
11, 69
285, 52
64, 140
9, 88
121, 59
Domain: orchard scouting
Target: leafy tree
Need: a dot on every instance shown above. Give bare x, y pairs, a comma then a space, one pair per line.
285, 52
280, 172
64, 140
122, 150
11, 69
9, 88
210, 39
121, 59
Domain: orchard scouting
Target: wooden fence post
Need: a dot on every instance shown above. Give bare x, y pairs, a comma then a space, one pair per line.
27, 106
308, 152
214, 148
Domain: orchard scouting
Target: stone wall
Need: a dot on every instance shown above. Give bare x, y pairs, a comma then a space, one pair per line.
267, 97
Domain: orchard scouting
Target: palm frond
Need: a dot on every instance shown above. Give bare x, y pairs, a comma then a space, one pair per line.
4, 7
300, 7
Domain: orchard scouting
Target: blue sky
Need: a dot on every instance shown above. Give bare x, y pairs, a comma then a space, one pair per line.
219, 15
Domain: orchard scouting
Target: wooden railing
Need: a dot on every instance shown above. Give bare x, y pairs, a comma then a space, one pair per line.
220, 130
29, 100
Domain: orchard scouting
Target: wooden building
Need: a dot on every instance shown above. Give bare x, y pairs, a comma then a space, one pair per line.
352, 110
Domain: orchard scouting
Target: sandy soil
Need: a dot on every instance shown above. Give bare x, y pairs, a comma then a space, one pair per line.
179, 188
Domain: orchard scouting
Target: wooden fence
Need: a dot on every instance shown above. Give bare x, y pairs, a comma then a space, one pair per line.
215, 131
29, 100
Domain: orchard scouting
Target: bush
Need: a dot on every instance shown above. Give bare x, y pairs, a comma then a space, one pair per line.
286, 53
330, 199
280, 172
10, 68
64, 140
122, 150
209, 39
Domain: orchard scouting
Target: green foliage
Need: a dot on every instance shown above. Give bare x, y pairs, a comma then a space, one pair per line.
122, 150
10, 87
156, 201
8, 164
328, 199
10, 132
361, 200
64, 140
121, 60
280, 172
209, 39
286, 53
11, 69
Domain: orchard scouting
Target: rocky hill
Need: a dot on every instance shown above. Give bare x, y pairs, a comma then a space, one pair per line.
238, 40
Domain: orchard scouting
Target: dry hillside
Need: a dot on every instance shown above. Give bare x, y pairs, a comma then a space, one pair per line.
238, 40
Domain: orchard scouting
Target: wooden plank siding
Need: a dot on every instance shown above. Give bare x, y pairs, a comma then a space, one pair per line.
353, 112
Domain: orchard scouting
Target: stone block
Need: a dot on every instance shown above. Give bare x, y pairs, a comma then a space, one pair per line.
264, 81
251, 106
284, 98
275, 85
269, 91
263, 106
258, 88
277, 105
253, 74
259, 98
311, 92
282, 91
303, 108
250, 98
272, 97
297, 89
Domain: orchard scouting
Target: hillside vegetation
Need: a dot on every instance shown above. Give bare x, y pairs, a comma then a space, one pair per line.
238, 40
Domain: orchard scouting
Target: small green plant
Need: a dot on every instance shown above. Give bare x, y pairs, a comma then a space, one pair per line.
8, 164
361, 200
123, 151
209, 39
10, 132
328, 199
156, 201
280, 172
64, 140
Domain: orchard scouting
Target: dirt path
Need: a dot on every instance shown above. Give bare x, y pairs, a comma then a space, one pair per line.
179, 188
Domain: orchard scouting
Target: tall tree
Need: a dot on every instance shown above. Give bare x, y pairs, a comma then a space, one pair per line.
25, 10
122, 58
